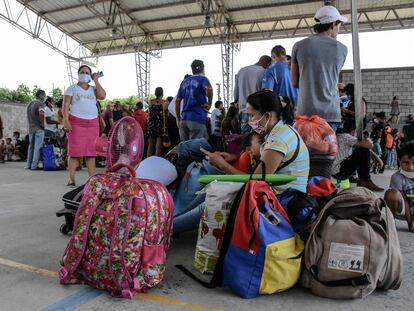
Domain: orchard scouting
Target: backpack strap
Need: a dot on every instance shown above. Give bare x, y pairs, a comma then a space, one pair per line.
75, 250
354, 282
294, 156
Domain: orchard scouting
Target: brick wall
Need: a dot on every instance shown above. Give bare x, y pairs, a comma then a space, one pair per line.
14, 118
380, 85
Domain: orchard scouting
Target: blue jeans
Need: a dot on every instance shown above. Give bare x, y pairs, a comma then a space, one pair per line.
244, 123
190, 220
334, 125
35, 147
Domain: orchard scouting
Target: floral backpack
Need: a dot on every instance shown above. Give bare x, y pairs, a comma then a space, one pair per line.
121, 234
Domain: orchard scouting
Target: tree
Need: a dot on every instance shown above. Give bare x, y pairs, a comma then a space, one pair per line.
5, 93
56, 94
23, 94
34, 90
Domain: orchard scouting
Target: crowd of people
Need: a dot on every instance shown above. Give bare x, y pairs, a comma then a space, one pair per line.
257, 126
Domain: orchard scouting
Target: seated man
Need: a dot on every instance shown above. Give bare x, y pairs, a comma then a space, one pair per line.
400, 196
354, 155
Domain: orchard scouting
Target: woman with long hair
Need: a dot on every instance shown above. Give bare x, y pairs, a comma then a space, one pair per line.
155, 123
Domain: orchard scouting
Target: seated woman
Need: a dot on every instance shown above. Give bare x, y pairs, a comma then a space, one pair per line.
270, 119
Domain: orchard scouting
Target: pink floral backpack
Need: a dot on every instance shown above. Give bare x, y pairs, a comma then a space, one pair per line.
121, 234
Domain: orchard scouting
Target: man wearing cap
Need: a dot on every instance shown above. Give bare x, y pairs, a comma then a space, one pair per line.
197, 93
316, 64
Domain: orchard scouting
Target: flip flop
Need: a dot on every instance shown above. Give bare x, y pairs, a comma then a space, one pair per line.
71, 184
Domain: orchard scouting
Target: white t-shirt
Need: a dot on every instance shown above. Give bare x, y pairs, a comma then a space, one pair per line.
171, 107
50, 113
215, 122
83, 102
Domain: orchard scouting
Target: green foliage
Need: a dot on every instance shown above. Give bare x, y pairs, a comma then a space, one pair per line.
56, 94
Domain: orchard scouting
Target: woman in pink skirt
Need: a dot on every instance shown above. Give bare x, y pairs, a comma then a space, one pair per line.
81, 120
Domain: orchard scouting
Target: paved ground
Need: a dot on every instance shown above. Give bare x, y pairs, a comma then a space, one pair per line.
31, 247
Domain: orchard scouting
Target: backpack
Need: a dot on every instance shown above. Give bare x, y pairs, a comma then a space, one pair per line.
219, 199
121, 234
185, 197
48, 154
260, 253
353, 247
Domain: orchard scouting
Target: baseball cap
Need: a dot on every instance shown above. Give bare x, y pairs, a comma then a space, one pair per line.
197, 64
329, 14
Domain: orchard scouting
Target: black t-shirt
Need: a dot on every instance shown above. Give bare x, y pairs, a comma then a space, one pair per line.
117, 115
409, 132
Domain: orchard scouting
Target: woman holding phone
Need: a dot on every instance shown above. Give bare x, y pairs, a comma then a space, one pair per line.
81, 120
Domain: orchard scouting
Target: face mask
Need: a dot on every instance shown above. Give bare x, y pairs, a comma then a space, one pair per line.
84, 78
409, 175
257, 127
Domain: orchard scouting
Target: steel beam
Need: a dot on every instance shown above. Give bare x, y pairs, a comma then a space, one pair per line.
143, 72
227, 54
359, 113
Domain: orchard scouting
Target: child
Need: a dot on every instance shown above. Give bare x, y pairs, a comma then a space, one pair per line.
400, 196
9, 150
238, 164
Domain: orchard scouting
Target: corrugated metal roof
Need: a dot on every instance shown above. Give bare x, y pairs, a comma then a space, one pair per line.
122, 26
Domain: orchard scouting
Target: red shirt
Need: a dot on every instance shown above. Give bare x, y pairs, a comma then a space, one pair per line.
141, 117
243, 163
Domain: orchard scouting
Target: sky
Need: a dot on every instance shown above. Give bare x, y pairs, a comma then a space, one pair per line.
28, 61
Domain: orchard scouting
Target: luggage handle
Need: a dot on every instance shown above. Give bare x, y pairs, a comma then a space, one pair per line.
120, 166
354, 282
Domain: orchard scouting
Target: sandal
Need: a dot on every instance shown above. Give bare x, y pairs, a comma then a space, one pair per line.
71, 184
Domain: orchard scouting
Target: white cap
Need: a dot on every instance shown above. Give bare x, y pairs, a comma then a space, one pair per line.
158, 169
329, 14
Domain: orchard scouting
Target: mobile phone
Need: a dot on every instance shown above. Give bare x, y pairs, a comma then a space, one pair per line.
100, 74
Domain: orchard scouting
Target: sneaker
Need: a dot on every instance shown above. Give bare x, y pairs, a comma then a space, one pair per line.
367, 183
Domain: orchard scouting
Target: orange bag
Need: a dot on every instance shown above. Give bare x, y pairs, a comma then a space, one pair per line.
318, 136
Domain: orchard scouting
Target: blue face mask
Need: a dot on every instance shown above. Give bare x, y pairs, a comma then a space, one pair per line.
84, 78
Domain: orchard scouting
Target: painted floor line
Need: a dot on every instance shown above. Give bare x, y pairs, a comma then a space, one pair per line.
159, 299
73, 301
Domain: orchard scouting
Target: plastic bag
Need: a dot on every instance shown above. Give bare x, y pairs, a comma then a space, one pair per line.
318, 136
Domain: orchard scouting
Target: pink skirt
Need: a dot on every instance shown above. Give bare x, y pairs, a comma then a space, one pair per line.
82, 138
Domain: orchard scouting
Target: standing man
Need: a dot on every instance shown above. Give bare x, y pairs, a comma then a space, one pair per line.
197, 93
395, 110
217, 116
316, 64
36, 122
141, 116
249, 81
277, 76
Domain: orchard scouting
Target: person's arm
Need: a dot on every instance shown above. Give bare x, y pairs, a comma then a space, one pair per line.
42, 117
268, 82
99, 91
294, 67
271, 159
294, 72
215, 159
209, 92
375, 157
50, 121
67, 101
178, 108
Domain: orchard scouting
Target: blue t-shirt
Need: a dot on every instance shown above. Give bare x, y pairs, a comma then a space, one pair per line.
193, 92
277, 78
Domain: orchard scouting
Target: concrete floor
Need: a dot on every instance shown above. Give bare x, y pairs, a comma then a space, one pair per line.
29, 235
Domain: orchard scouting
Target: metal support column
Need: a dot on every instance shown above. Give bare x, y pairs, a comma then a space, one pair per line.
227, 54
359, 113
142, 65
72, 66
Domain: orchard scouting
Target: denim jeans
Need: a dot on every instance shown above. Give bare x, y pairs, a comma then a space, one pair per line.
190, 220
35, 147
334, 125
192, 130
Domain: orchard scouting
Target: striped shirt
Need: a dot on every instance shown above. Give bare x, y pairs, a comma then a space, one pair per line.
282, 139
